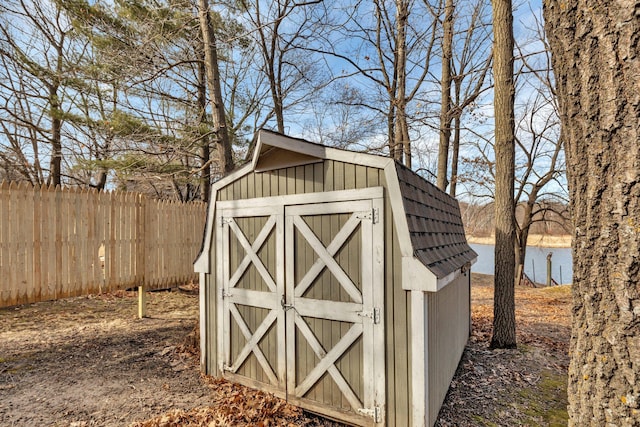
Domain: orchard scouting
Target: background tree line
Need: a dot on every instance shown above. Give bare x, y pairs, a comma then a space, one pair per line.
123, 93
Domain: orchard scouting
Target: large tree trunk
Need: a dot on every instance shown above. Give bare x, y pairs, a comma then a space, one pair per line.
595, 52
504, 321
445, 105
225, 156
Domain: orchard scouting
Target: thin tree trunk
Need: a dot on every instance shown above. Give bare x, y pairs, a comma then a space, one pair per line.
522, 231
504, 322
455, 154
225, 155
56, 119
56, 137
445, 105
455, 150
596, 62
205, 149
402, 143
395, 150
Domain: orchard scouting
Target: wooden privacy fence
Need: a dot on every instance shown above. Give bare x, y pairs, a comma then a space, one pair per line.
56, 243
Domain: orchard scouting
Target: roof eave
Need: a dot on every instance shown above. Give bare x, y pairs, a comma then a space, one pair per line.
418, 277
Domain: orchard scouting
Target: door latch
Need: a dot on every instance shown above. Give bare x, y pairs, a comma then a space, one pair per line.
284, 305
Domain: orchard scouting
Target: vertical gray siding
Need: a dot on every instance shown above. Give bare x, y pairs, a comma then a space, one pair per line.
448, 330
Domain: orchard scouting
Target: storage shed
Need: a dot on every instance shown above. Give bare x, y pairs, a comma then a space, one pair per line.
337, 280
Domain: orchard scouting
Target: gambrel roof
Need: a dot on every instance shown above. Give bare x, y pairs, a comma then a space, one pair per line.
435, 224
430, 232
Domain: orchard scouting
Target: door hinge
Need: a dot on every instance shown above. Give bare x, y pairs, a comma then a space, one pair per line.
374, 413
224, 221
373, 215
373, 315
225, 294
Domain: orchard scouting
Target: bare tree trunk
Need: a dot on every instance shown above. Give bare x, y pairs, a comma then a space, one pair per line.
455, 154
395, 151
445, 105
402, 143
522, 235
55, 177
504, 322
55, 173
205, 149
594, 49
215, 92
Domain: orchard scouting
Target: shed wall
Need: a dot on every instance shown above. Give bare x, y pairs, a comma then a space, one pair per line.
448, 331
329, 175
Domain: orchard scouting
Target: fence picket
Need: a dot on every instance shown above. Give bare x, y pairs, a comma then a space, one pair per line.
53, 242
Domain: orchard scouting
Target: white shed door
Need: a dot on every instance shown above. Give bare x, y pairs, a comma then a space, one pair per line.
251, 275
334, 318
301, 302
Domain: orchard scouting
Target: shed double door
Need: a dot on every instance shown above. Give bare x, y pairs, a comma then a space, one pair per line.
301, 303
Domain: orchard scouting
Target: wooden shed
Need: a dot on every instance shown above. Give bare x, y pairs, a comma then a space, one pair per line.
337, 280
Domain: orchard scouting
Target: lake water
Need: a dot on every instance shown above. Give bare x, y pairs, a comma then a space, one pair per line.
535, 265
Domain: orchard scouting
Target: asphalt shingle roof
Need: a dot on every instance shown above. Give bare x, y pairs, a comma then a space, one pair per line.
435, 224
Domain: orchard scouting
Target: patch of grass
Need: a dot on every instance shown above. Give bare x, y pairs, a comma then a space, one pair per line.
558, 290
546, 403
478, 420
524, 348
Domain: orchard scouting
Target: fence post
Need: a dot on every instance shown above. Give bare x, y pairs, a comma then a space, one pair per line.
549, 268
141, 251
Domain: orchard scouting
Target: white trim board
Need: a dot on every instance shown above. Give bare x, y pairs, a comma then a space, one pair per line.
419, 361
304, 198
399, 214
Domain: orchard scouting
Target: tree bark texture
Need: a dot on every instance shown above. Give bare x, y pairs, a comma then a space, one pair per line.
205, 148
445, 105
55, 174
595, 54
402, 143
504, 322
225, 155
455, 155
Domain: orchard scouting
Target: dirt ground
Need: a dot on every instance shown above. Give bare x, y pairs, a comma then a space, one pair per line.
89, 361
